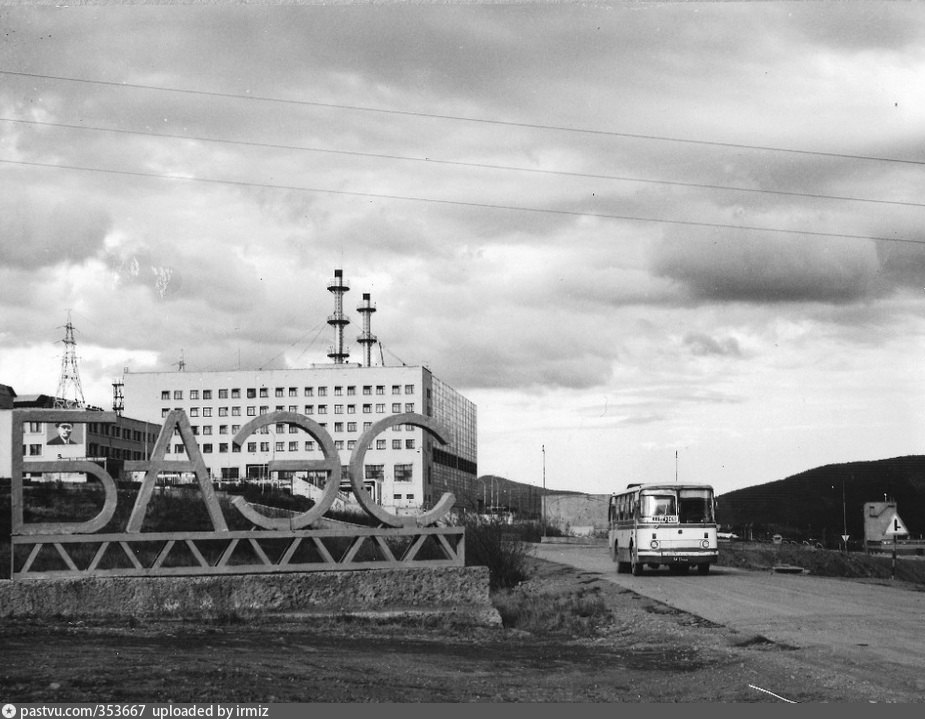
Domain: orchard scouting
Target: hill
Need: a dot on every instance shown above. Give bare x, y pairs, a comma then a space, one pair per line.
492, 490
810, 504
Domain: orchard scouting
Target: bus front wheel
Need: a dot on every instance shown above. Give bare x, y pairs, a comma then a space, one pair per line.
635, 564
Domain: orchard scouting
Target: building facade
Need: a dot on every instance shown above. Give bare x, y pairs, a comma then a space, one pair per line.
109, 444
405, 468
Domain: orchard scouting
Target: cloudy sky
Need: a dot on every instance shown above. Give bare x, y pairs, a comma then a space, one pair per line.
652, 238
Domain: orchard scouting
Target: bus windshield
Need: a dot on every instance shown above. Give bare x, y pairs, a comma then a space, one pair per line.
687, 506
658, 505
695, 505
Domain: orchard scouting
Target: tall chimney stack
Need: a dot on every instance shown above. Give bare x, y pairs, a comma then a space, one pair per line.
367, 339
338, 321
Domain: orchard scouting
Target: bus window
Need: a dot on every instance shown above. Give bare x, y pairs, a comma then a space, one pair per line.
696, 505
658, 505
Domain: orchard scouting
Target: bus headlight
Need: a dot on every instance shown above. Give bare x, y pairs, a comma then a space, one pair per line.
654, 544
705, 544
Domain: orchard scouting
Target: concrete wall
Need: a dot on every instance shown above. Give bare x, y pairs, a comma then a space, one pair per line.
577, 513
460, 593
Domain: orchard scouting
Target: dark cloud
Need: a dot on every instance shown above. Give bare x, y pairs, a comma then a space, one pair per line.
859, 27
724, 265
493, 366
702, 344
40, 230
903, 263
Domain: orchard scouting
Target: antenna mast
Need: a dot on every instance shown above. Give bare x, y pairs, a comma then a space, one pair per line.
70, 377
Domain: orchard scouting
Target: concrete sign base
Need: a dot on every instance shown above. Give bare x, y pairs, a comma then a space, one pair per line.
458, 593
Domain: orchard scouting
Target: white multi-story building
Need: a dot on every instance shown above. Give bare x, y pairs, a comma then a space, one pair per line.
405, 468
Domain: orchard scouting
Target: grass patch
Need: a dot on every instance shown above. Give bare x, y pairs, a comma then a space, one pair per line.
581, 613
821, 562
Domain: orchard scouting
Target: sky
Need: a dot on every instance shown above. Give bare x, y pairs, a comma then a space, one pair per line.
650, 241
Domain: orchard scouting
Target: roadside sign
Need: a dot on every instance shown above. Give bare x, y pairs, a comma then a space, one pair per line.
895, 527
844, 538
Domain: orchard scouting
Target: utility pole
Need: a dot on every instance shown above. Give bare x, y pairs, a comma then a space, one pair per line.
844, 511
844, 516
543, 498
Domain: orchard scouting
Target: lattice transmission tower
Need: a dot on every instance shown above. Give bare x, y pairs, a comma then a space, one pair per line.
70, 394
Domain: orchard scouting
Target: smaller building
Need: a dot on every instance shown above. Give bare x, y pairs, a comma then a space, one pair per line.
883, 528
109, 444
7, 396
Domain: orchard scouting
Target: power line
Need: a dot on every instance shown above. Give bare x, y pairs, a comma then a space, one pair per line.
474, 165
317, 329
459, 118
462, 203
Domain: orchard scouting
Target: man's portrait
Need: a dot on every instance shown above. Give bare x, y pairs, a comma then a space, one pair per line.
63, 434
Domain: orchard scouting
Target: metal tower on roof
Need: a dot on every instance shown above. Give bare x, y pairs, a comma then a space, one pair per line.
367, 339
338, 321
69, 382
118, 397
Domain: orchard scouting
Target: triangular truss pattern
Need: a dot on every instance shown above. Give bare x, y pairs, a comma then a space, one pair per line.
240, 552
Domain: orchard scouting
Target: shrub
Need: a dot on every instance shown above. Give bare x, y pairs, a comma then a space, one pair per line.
534, 531
497, 545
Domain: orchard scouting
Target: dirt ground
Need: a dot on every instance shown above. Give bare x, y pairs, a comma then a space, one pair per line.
640, 651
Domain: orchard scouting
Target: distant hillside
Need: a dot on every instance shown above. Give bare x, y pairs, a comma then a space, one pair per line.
524, 499
810, 504
518, 487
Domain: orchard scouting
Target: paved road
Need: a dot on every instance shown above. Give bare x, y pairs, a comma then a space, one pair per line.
865, 623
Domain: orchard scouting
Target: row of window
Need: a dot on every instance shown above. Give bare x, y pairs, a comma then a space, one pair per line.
308, 446
93, 450
372, 473
339, 427
309, 409
252, 392
103, 428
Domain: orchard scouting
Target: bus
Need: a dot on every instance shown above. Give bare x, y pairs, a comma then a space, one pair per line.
662, 524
